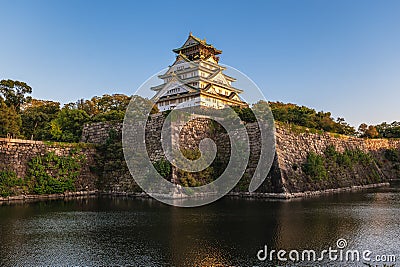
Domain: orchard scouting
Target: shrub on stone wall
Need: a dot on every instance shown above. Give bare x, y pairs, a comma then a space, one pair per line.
314, 167
163, 167
53, 174
320, 167
197, 178
392, 155
348, 158
10, 184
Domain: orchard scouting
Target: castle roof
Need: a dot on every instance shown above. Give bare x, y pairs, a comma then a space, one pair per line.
193, 41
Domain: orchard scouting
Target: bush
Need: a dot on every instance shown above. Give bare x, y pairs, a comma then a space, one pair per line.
187, 180
245, 114
330, 152
343, 159
392, 155
348, 157
68, 125
8, 182
163, 167
52, 174
358, 156
196, 178
315, 167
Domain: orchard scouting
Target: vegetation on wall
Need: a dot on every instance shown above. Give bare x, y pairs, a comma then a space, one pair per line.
318, 167
205, 176
46, 174
392, 155
314, 167
110, 162
164, 168
53, 174
10, 184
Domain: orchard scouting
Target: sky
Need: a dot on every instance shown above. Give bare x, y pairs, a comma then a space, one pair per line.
341, 56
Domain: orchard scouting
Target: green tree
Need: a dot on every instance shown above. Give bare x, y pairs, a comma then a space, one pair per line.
362, 129
344, 127
104, 104
112, 115
307, 117
104, 108
315, 167
36, 118
15, 93
245, 114
391, 130
10, 120
68, 125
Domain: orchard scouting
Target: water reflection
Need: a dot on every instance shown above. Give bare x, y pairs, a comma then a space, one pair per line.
143, 232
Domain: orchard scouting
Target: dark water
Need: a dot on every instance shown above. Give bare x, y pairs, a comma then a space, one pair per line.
230, 232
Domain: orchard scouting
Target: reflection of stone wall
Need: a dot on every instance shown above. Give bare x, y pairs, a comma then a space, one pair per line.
15, 155
292, 148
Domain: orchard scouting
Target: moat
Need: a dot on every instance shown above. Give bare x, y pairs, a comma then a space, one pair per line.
143, 232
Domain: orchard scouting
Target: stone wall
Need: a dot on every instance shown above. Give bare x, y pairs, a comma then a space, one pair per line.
292, 149
97, 133
286, 176
15, 155
117, 179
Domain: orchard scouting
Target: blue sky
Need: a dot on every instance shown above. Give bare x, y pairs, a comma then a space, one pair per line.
341, 56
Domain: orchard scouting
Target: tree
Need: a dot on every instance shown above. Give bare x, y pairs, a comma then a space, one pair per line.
371, 132
36, 117
344, 127
68, 125
307, 117
112, 115
362, 129
14, 93
368, 131
389, 130
104, 104
10, 120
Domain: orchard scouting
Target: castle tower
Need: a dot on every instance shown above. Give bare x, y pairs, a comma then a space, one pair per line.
196, 79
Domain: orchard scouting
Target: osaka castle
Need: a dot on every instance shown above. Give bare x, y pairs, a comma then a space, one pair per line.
196, 79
